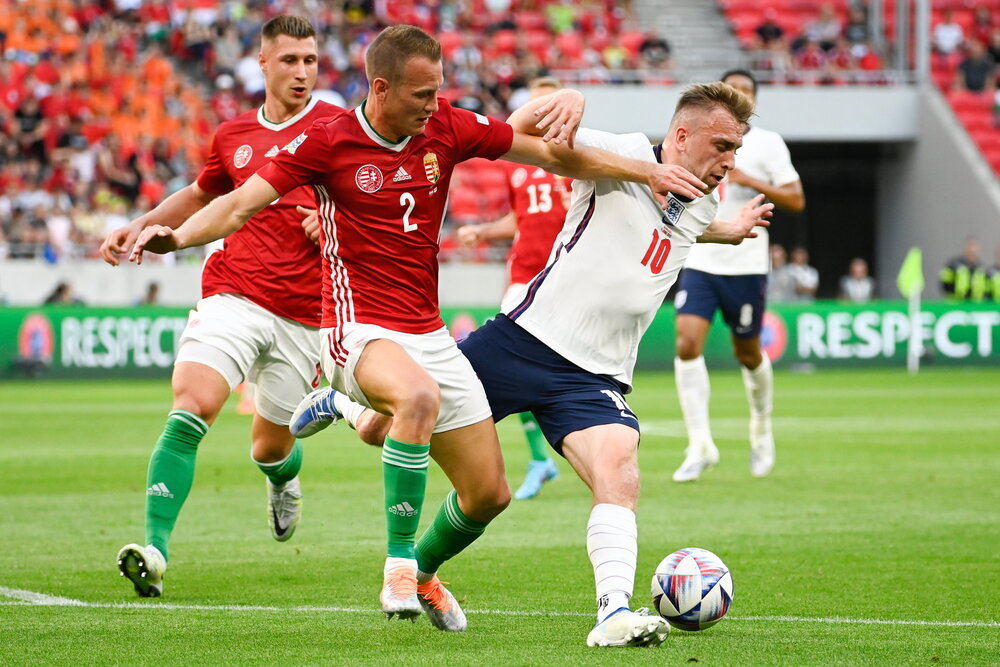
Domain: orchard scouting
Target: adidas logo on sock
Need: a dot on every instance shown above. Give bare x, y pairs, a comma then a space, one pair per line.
159, 489
403, 509
401, 175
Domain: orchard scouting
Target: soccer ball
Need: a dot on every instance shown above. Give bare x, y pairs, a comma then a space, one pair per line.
692, 588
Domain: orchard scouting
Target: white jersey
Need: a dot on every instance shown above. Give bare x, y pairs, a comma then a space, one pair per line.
763, 156
611, 266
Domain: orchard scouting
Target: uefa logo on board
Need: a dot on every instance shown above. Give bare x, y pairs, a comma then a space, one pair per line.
773, 335
368, 178
35, 339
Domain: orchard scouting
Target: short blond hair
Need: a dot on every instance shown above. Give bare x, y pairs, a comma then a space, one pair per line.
388, 54
709, 96
545, 82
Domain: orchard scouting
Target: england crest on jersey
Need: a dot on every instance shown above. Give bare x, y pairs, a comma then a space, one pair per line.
673, 212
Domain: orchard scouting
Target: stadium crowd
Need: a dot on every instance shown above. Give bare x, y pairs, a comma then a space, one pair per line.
107, 106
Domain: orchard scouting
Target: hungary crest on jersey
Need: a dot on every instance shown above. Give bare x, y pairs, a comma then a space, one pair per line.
432, 168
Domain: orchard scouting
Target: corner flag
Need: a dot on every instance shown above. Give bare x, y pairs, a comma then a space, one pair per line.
911, 274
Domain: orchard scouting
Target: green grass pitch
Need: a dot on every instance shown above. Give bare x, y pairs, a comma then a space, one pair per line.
876, 540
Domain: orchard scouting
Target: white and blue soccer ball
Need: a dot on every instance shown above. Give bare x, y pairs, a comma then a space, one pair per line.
692, 588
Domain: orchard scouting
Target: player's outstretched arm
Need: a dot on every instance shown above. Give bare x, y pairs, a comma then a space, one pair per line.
754, 213
502, 229
594, 164
555, 117
217, 220
171, 212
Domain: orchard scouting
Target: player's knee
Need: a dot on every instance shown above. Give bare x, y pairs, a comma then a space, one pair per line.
487, 503
203, 406
421, 405
748, 357
688, 347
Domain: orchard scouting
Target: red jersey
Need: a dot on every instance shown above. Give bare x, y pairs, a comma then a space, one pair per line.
269, 260
539, 201
381, 205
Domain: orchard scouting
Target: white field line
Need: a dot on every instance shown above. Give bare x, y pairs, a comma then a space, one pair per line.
30, 598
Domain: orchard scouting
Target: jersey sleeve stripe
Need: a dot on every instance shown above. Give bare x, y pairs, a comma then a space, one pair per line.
536, 282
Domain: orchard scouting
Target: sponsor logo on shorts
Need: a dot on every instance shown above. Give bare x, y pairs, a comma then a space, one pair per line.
369, 178
241, 157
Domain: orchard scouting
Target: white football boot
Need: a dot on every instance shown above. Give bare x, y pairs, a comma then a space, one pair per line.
144, 567
630, 628
314, 413
284, 507
698, 457
399, 589
761, 446
441, 606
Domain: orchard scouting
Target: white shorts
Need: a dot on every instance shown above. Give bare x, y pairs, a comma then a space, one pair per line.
244, 341
463, 401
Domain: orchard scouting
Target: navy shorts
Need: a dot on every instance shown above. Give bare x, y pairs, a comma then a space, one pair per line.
740, 298
522, 374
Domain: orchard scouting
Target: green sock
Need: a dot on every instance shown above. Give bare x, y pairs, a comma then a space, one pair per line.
536, 441
404, 473
170, 475
287, 469
450, 533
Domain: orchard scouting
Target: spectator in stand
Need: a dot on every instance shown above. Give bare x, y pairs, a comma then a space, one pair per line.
769, 31
29, 128
780, 285
825, 29
964, 278
152, 297
227, 49
856, 31
948, 34
805, 277
62, 295
654, 49
977, 71
857, 286
983, 24
993, 45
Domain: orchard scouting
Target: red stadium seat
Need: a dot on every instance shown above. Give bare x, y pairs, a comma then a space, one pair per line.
632, 40
528, 20
450, 41
570, 44
539, 42
464, 204
964, 100
975, 120
505, 41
